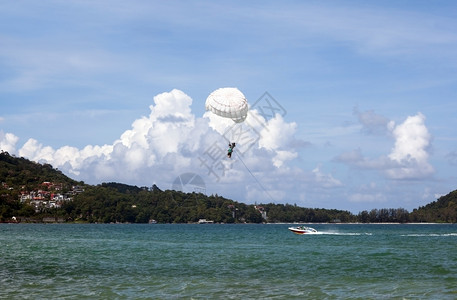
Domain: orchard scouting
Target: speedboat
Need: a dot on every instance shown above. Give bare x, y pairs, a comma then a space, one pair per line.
302, 230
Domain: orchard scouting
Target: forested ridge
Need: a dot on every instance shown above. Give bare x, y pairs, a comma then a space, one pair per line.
34, 192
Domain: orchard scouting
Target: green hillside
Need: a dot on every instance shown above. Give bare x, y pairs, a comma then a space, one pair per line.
34, 192
22, 178
442, 210
21, 172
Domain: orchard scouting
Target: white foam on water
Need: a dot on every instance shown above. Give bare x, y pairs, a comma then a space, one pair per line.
338, 233
430, 234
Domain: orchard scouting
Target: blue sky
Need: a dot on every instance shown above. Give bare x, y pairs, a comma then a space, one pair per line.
367, 91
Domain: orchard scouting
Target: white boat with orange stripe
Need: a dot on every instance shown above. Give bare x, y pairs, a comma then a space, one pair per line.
303, 230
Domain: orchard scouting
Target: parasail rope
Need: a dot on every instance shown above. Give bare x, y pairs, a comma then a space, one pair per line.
260, 184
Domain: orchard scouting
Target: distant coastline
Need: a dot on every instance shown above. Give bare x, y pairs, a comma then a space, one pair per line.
31, 192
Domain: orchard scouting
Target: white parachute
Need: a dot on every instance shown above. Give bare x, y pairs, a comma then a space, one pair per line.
228, 103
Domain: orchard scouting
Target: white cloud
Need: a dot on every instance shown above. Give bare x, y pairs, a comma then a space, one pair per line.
410, 152
33, 150
168, 128
408, 158
277, 133
325, 180
171, 140
283, 156
8, 142
278, 136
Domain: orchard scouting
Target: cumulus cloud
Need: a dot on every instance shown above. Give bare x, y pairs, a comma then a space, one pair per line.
168, 129
277, 133
33, 150
282, 156
171, 141
409, 156
278, 136
8, 142
410, 152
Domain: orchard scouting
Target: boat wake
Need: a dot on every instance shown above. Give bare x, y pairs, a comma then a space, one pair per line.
431, 234
340, 233
369, 233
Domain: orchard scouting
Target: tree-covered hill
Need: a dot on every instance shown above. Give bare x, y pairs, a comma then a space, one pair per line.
21, 172
112, 202
22, 178
442, 210
33, 192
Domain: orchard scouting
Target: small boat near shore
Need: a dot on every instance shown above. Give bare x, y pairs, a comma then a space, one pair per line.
302, 230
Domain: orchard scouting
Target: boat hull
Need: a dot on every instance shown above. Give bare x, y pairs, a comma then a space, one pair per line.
303, 230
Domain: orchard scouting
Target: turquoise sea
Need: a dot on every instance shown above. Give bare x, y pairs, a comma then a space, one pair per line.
222, 261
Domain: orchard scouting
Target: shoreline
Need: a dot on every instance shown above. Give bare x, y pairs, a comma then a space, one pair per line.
214, 223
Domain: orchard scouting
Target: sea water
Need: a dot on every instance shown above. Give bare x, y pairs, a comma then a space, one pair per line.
222, 261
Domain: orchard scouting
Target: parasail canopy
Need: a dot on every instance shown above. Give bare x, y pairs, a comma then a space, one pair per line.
228, 103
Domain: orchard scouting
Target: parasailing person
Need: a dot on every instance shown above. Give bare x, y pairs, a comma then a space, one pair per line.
228, 103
